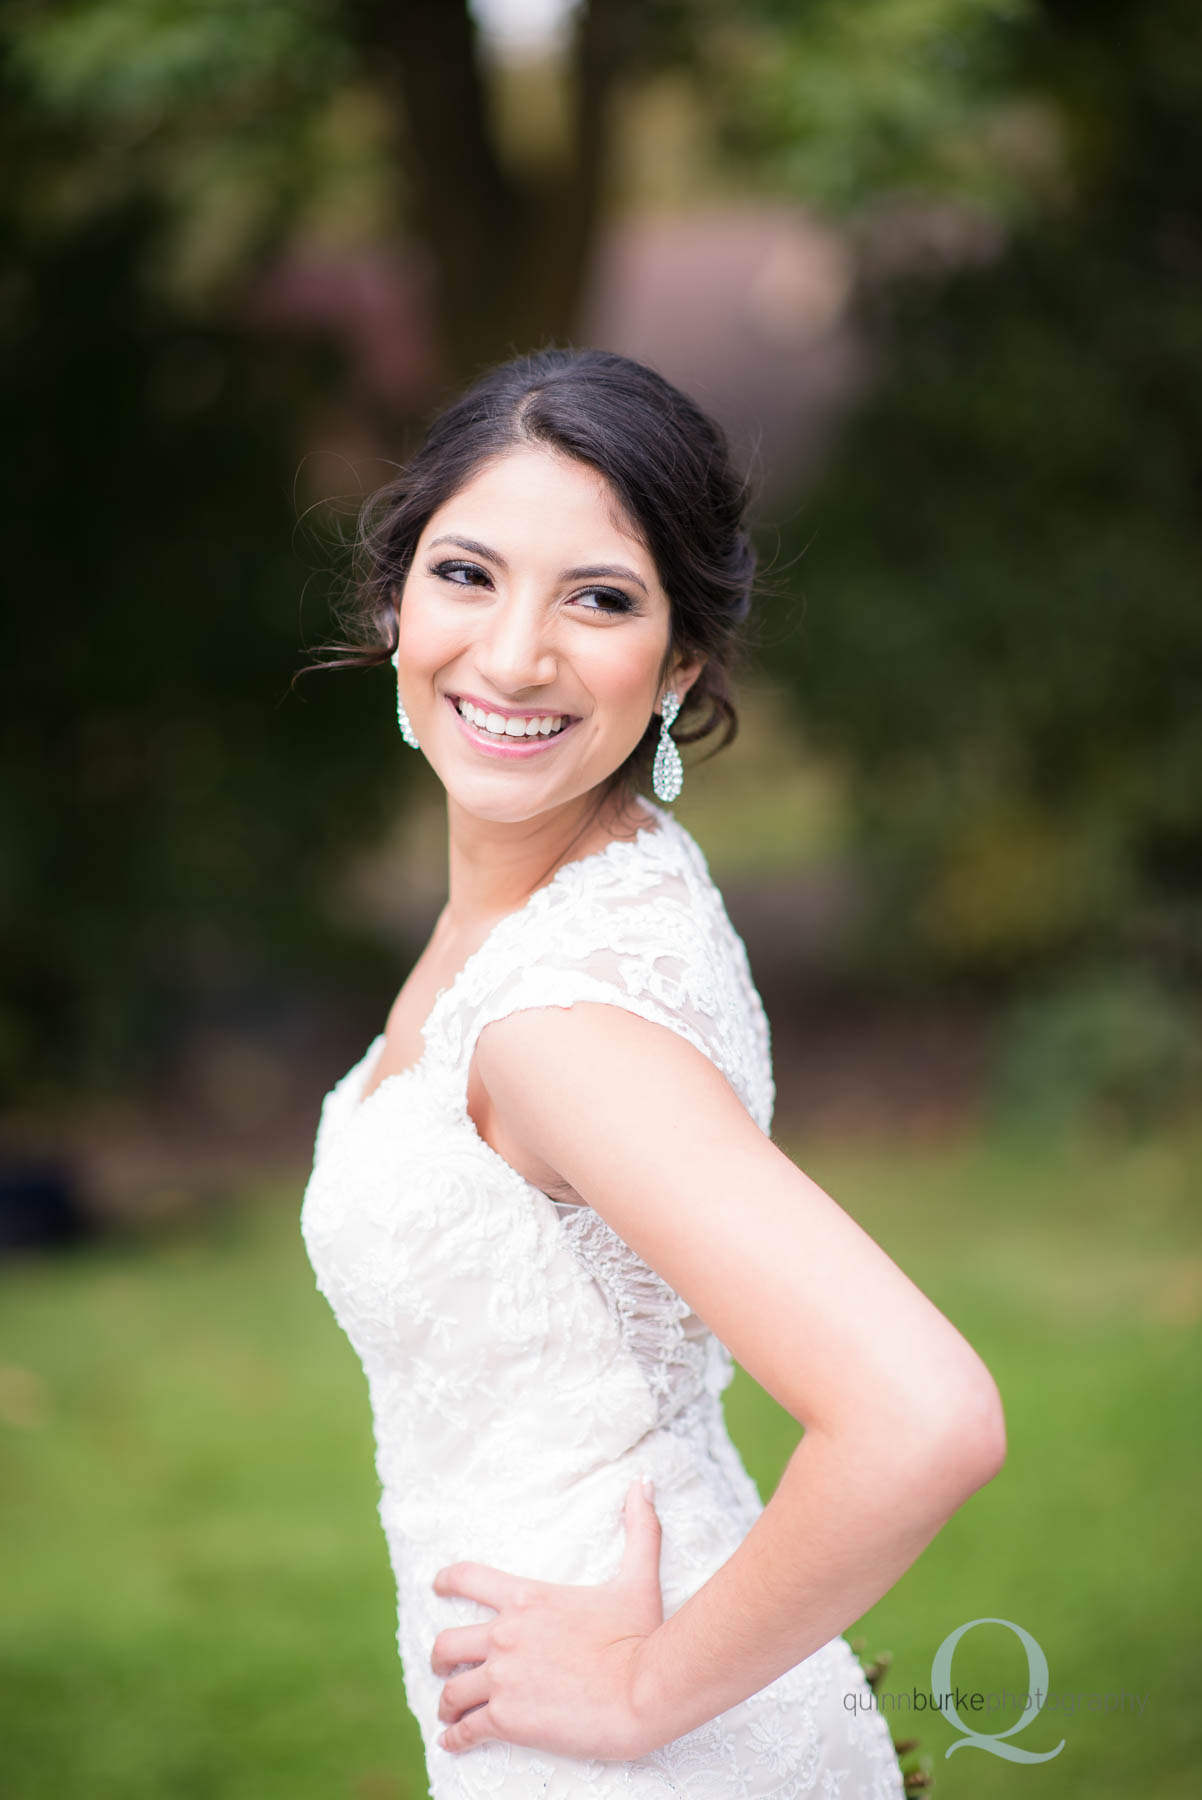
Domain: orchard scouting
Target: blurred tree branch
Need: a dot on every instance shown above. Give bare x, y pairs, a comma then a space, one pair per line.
510, 249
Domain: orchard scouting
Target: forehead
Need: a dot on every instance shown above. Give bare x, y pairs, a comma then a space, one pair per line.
533, 493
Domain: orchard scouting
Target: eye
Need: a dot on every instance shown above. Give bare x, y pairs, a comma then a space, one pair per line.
615, 601
449, 569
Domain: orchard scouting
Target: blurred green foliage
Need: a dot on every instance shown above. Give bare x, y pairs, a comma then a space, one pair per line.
1102, 1050
229, 116
113, 56
169, 826
1002, 631
842, 103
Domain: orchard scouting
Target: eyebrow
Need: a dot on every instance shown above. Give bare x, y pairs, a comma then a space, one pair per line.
589, 573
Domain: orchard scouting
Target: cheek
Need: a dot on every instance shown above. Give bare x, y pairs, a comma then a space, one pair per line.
426, 634
622, 677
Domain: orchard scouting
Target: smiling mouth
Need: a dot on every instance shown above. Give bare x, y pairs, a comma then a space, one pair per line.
513, 728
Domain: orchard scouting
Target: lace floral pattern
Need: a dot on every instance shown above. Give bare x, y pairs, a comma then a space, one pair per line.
523, 1364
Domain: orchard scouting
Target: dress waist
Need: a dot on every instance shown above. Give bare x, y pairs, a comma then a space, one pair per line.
573, 1530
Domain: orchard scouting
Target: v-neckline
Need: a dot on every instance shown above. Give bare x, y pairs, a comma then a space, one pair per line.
371, 1056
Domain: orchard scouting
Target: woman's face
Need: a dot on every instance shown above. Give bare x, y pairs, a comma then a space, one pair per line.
531, 602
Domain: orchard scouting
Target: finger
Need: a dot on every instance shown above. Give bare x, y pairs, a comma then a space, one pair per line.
458, 1644
461, 1693
477, 1581
644, 1536
472, 1729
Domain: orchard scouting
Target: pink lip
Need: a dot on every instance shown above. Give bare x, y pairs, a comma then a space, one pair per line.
515, 748
515, 712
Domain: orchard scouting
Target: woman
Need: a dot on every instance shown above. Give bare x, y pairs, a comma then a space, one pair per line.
546, 1206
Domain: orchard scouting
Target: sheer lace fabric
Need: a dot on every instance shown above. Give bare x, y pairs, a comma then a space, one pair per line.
523, 1364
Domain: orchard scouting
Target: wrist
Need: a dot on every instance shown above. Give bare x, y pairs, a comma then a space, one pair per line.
650, 1699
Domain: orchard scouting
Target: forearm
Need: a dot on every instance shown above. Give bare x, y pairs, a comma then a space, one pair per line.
842, 1527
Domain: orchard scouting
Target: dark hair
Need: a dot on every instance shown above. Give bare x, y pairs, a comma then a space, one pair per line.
666, 460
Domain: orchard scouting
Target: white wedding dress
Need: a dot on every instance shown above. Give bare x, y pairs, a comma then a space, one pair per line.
524, 1365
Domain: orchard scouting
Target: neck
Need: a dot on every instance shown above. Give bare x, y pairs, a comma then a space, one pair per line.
494, 866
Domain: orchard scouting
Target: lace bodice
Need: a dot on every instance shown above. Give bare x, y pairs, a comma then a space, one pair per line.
523, 1363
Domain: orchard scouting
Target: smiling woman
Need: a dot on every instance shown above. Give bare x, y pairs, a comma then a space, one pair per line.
545, 1205
597, 490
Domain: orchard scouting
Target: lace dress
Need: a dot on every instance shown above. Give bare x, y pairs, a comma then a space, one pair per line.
524, 1365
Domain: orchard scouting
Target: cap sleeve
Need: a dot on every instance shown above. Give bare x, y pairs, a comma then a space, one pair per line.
660, 946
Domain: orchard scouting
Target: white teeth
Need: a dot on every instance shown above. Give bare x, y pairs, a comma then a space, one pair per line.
500, 726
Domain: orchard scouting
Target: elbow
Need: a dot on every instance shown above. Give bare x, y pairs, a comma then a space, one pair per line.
964, 1446
982, 1430
971, 1447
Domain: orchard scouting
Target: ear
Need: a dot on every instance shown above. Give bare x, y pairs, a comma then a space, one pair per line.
681, 676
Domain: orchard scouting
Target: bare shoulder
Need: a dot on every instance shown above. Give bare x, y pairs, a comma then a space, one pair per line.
553, 1086
598, 1064
614, 1108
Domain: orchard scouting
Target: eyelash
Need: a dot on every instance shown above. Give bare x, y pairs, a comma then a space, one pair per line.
624, 603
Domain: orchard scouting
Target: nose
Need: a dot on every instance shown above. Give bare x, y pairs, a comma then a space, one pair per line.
514, 652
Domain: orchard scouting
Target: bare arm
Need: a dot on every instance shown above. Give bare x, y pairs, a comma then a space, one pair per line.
902, 1419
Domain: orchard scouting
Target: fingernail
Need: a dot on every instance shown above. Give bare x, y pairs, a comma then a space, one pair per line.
649, 1487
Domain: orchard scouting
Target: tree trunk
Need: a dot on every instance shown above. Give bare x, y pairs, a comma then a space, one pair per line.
510, 252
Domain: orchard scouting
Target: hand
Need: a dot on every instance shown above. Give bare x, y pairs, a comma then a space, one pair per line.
557, 1666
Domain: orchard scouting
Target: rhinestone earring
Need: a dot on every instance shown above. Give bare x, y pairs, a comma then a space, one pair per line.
667, 773
402, 717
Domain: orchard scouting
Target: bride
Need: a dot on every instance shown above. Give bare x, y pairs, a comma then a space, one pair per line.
546, 1206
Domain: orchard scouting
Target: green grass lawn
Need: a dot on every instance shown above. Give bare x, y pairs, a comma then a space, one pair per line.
197, 1598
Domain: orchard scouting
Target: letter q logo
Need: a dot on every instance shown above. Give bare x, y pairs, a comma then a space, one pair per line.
1037, 1682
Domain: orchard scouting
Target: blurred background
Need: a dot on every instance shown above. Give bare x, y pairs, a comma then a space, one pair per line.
937, 266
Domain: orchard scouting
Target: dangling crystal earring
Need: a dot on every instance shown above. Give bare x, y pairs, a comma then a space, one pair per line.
402, 717
667, 772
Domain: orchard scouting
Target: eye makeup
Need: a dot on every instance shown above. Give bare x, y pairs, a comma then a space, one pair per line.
616, 602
